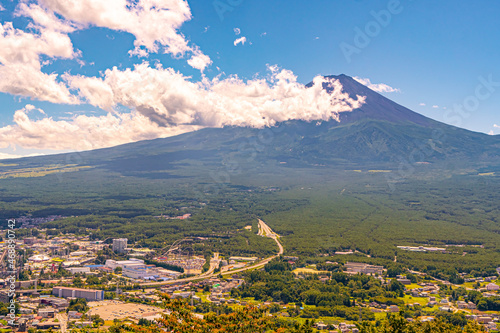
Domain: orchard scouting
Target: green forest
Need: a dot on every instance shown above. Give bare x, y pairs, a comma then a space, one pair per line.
316, 212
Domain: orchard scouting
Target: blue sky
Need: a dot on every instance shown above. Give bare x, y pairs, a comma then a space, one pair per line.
433, 53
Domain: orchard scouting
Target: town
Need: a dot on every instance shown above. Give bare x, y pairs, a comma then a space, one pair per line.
69, 281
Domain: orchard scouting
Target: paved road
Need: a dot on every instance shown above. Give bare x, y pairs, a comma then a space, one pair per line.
214, 263
268, 232
3, 255
63, 320
3, 265
264, 230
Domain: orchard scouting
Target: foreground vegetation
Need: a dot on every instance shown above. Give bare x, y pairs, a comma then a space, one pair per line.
252, 319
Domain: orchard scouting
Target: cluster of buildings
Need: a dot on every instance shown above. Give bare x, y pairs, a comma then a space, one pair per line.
362, 268
481, 279
190, 264
235, 263
430, 291
42, 311
136, 269
340, 328
221, 289
489, 321
425, 290
50, 254
30, 222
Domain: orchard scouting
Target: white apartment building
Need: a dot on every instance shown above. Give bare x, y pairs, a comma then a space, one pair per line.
119, 245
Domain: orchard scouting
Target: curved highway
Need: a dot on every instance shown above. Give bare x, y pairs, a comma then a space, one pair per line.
264, 231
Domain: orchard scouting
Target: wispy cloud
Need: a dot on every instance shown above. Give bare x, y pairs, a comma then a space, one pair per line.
492, 132
4, 156
237, 31
422, 104
378, 87
435, 106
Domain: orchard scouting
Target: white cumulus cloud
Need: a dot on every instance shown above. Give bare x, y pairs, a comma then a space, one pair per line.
166, 103
154, 23
378, 87
19, 47
241, 40
45, 18
162, 101
20, 67
168, 98
199, 60
82, 132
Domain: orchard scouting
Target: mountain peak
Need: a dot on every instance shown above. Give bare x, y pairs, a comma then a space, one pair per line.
376, 107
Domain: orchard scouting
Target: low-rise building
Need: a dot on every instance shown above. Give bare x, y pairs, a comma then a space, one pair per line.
81, 324
357, 267
492, 287
139, 272
46, 313
132, 263
404, 281
79, 270
74, 315
321, 326
56, 303
484, 320
88, 294
393, 308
